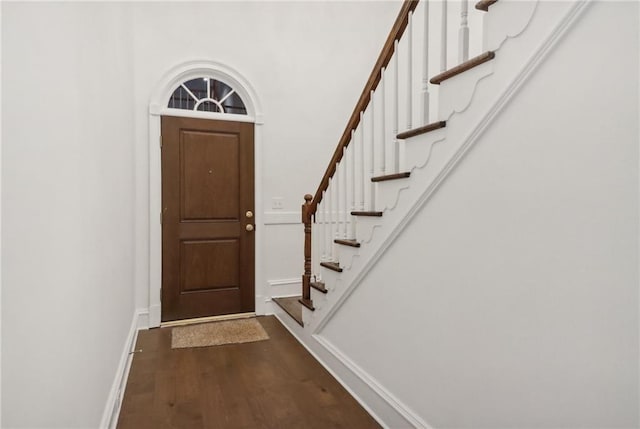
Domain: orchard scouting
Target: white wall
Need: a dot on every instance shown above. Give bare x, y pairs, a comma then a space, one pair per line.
67, 209
307, 61
512, 298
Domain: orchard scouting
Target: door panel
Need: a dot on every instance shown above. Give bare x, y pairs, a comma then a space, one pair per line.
210, 264
207, 188
210, 165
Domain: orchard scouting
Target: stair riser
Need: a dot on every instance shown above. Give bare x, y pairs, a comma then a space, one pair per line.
328, 276
365, 226
457, 92
418, 149
507, 19
319, 299
345, 255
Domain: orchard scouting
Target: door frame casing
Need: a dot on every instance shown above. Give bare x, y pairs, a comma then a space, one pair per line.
157, 108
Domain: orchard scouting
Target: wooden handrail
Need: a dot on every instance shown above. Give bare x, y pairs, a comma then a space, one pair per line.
372, 83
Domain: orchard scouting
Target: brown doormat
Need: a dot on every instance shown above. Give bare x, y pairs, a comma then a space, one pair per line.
217, 333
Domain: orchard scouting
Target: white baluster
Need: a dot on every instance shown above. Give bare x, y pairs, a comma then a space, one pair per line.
362, 167
463, 34
396, 110
352, 158
409, 76
345, 191
425, 66
383, 109
443, 41
327, 227
321, 226
372, 189
337, 179
330, 219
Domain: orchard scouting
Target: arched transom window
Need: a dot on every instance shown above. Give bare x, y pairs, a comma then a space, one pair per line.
206, 94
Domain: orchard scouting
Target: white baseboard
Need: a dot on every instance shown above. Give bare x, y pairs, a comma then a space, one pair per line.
154, 318
111, 412
383, 406
366, 378
143, 318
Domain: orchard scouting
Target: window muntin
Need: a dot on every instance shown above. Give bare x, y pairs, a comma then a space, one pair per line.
207, 95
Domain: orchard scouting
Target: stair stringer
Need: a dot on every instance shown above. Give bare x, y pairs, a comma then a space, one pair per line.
465, 124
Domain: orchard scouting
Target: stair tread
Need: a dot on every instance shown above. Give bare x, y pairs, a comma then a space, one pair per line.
395, 176
422, 130
292, 306
335, 266
484, 4
460, 68
366, 213
352, 243
319, 286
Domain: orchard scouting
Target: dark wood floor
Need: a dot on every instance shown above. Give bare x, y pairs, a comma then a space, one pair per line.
267, 384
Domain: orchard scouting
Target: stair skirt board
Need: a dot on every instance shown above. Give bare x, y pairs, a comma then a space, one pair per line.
510, 90
381, 404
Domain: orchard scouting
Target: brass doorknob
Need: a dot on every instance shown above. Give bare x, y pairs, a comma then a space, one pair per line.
249, 214
249, 227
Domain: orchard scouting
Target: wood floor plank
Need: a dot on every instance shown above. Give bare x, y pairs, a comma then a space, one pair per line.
268, 384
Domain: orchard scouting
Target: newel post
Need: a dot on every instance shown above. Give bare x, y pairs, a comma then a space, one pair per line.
306, 277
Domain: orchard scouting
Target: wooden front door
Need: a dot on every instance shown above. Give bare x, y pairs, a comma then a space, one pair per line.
208, 241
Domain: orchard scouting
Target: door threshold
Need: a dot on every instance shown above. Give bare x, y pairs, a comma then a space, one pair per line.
183, 322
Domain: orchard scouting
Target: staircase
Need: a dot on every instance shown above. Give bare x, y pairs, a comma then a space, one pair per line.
373, 160
368, 155
424, 104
